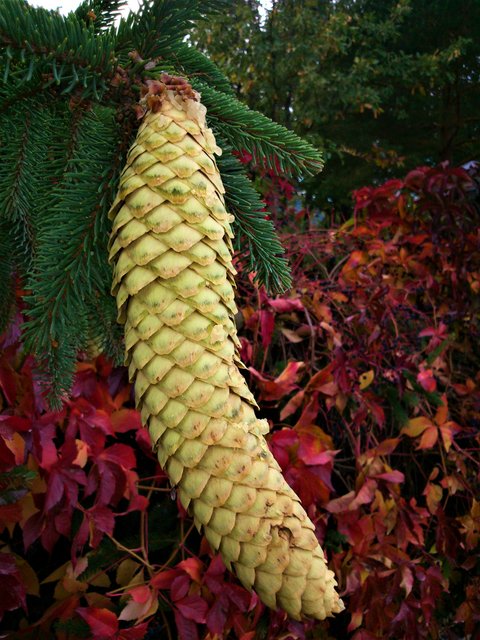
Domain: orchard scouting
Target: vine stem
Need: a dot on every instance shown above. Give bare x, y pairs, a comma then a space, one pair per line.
130, 552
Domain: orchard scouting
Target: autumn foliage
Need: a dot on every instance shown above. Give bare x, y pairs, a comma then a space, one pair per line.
369, 374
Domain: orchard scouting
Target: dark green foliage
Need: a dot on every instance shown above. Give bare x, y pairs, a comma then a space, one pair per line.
379, 85
15, 483
7, 286
255, 237
16, 193
71, 270
68, 88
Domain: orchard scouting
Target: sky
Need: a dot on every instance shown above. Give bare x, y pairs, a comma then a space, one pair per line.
68, 5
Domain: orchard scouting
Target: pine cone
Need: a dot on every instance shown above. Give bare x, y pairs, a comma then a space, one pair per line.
174, 279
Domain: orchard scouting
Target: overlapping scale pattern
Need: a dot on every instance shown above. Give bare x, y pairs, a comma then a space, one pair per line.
173, 280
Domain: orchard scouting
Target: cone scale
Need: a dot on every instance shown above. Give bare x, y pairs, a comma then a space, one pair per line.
174, 285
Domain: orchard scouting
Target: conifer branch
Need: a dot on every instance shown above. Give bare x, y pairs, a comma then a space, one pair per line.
25, 172
271, 144
99, 14
16, 92
161, 25
15, 181
6, 275
62, 48
255, 239
104, 332
70, 264
194, 63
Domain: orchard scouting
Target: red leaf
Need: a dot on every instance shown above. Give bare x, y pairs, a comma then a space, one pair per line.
292, 405
351, 501
14, 424
217, 616
103, 623
267, 325
91, 424
8, 382
138, 632
112, 478
187, 629
44, 448
281, 444
320, 378
10, 513
192, 566
121, 455
164, 579
385, 448
193, 608
282, 385
309, 413
126, 420
180, 587
12, 589
315, 446
429, 438
100, 520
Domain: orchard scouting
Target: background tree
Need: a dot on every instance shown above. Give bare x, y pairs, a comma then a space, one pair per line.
376, 84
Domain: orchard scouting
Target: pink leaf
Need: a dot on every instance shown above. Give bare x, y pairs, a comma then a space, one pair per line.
407, 579
284, 305
426, 380
396, 477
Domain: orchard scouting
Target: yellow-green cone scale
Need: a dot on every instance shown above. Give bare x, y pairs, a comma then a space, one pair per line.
173, 279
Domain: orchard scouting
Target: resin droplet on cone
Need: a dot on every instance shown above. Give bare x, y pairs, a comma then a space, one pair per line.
171, 245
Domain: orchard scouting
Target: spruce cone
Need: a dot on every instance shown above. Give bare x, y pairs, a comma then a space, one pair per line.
171, 245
